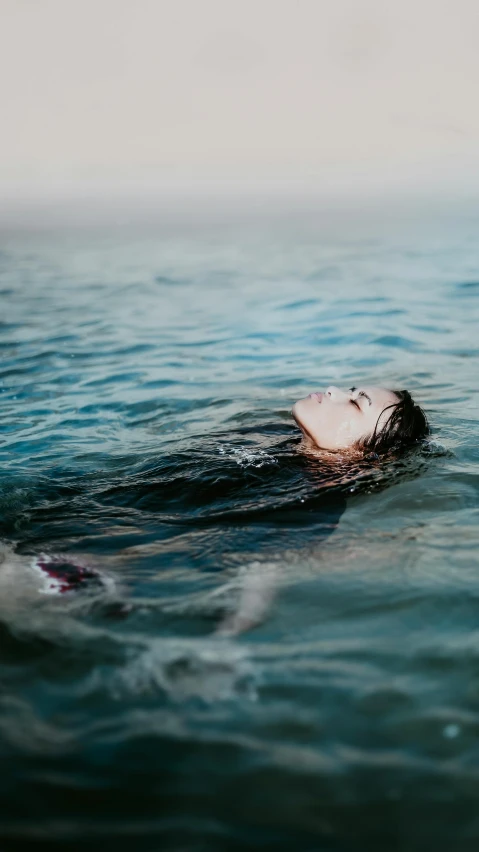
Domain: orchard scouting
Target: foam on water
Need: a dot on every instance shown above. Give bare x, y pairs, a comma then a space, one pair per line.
245, 457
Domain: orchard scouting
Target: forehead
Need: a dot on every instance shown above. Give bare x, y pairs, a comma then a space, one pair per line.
380, 397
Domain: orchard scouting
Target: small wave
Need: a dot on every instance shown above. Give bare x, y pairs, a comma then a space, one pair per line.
210, 670
245, 457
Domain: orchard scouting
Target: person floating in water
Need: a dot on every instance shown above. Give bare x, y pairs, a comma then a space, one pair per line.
339, 427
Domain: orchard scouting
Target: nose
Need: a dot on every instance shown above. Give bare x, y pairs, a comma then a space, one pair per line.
336, 394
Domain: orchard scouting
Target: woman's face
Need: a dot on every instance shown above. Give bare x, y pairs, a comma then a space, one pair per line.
336, 419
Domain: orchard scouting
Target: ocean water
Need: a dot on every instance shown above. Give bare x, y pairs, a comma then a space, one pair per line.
281, 657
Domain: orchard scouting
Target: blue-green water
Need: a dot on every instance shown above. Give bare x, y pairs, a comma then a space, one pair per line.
146, 382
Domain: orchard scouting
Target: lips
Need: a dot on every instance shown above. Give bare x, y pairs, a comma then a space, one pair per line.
317, 395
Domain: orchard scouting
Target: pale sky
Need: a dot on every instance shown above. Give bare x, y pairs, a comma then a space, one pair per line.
110, 96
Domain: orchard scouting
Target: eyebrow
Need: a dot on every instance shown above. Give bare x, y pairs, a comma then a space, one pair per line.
363, 393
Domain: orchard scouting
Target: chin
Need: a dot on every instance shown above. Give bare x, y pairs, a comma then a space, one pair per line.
296, 412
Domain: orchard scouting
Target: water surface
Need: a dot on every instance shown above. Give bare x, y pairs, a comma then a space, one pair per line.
146, 382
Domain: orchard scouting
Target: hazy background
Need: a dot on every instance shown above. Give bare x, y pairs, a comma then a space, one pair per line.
114, 100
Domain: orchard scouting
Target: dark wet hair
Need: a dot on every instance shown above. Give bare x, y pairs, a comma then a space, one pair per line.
406, 425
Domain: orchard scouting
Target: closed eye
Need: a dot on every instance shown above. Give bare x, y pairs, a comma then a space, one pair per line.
361, 393
356, 404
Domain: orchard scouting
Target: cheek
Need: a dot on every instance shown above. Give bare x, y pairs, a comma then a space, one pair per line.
353, 429
341, 429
